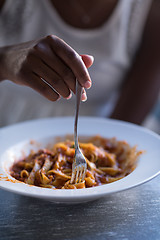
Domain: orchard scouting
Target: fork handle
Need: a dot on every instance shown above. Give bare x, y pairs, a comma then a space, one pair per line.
78, 100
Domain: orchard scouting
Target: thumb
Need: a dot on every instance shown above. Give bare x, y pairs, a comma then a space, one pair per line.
88, 60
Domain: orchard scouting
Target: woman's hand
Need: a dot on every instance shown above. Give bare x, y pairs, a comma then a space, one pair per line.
49, 66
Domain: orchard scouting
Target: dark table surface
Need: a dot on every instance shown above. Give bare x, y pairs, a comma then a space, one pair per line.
131, 214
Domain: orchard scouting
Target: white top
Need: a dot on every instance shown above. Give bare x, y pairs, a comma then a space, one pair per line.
113, 46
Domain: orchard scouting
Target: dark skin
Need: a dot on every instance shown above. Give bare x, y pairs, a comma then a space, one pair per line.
55, 61
49, 58
98, 11
142, 84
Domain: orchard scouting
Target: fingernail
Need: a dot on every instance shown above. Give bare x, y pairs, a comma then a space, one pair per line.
88, 84
58, 98
91, 57
84, 97
70, 95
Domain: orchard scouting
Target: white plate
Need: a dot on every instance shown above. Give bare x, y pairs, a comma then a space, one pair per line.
15, 141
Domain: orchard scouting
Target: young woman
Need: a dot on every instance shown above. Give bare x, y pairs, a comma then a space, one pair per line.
46, 45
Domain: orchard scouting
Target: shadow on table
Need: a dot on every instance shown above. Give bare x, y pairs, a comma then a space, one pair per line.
38, 219
132, 214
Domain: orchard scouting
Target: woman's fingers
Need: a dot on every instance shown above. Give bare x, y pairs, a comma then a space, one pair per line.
84, 95
52, 67
35, 82
72, 59
48, 55
56, 64
50, 76
88, 60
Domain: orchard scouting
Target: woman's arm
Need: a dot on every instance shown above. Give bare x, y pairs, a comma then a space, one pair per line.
50, 59
142, 85
48, 65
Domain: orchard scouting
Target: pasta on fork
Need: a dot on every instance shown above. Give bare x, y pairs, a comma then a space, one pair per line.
108, 160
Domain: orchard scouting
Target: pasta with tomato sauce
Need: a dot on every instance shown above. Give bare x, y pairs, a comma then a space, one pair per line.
108, 160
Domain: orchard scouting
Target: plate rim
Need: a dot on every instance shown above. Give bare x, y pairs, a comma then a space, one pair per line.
78, 196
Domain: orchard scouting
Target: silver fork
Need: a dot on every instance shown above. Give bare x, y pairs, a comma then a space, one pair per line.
79, 165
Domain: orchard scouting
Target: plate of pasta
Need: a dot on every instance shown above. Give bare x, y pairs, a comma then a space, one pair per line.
36, 158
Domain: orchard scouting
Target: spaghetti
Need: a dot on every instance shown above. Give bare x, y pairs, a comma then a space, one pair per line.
108, 160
